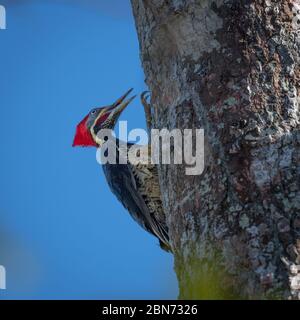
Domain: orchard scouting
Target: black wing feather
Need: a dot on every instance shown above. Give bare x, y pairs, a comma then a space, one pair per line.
123, 184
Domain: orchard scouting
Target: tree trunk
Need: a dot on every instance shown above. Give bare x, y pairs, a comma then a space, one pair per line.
231, 67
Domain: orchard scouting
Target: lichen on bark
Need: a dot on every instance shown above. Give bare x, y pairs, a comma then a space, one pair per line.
231, 67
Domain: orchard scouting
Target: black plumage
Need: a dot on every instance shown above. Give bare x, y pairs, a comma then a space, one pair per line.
135, 193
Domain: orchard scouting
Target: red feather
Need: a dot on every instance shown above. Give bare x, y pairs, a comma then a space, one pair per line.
83, 137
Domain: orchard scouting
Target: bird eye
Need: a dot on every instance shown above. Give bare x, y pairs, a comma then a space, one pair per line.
93, 111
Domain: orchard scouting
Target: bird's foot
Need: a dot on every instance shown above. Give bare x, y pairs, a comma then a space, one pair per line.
147, 107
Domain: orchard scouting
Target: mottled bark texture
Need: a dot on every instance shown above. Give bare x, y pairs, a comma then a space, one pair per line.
232, 68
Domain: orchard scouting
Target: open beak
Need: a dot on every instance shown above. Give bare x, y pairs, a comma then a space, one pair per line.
120, 104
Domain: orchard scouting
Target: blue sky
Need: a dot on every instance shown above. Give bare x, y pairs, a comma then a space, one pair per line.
63, 234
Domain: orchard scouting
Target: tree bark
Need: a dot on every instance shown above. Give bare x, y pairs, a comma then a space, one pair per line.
231, 67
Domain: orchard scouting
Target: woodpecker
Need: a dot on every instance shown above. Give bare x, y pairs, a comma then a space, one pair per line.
135, 186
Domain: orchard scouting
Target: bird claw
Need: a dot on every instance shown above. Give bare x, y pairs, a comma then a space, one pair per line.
144, 97
147, 107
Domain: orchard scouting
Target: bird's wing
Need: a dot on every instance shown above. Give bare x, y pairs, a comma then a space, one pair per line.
131, 184
146, 179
